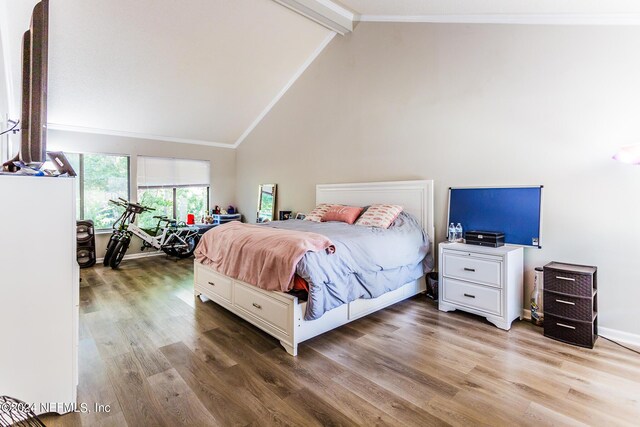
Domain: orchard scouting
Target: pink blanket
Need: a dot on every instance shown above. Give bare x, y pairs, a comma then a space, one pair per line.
262, 256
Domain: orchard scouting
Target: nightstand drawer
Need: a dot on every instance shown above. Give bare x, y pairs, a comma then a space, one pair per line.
568, 306
473, 296
478, 270
216, 283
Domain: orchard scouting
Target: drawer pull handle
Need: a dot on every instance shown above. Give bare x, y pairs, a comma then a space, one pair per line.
256, 305
565, 326
568, 279
565, 302
212, 284
469, 269
469, 295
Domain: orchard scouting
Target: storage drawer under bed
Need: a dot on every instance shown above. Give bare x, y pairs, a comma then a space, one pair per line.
218, 284
268, 309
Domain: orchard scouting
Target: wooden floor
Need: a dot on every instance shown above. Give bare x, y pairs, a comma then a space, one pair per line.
158, 356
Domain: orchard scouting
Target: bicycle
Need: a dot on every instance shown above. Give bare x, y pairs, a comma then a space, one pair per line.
173, 238
120, 225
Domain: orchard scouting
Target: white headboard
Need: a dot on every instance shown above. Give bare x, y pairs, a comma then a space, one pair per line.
415, 196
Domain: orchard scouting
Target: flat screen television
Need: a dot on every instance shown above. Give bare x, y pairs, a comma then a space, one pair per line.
35, 48
515, 211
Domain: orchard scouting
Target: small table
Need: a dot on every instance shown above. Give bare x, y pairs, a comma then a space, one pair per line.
218, 219
203, 228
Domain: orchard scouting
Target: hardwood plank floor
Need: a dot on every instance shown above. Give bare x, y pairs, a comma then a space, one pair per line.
159, 356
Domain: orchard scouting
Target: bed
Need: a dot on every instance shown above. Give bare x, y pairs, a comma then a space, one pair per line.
282, 315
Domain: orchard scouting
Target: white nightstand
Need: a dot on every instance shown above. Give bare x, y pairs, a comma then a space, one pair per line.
481, 280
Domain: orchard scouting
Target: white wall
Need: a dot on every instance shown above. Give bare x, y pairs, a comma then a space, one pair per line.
472, 105
15, 18
222, 162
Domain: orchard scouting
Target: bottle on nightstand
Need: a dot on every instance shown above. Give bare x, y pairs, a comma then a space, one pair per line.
452, 233
536, 313
459, 235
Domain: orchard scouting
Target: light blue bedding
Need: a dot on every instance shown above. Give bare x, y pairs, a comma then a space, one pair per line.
367, 263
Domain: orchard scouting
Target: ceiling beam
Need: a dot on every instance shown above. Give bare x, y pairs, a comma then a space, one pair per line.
324, 12
522, 18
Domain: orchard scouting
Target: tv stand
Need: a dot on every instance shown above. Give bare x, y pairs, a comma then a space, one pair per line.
482, 280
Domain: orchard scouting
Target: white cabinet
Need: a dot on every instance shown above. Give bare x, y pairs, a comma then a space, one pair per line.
39, 291
483, 281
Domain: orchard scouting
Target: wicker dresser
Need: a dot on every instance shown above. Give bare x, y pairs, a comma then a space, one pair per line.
570, 303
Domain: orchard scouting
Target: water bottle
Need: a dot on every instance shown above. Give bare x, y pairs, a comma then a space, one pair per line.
536, 315
452, 233
459, 237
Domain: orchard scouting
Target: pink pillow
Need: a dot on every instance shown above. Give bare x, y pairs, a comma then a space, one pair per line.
316, 214
347, 214
379, 216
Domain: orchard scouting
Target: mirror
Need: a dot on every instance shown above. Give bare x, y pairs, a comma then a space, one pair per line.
266, 202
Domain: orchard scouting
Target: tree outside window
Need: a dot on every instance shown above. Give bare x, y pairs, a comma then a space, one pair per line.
101, 177
175, 203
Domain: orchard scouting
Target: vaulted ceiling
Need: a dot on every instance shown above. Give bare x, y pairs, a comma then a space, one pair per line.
191, 70
207, 71
200, 71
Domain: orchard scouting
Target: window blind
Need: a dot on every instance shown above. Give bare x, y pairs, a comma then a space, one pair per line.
157, 172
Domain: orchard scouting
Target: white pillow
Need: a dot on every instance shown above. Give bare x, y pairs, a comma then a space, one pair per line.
381, 216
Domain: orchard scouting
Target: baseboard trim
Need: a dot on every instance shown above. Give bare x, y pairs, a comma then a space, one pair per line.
135, 256
526, 314
619, 336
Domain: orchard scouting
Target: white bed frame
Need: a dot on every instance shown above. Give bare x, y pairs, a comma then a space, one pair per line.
280, 314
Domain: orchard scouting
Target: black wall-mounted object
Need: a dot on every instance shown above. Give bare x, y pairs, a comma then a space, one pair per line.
85, 243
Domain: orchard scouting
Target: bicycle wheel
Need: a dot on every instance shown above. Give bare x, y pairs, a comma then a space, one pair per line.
186, 252
169, 251
120, 251
111, 246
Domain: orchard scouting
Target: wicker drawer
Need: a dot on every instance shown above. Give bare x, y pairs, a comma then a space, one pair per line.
568, 306
569, 331
568, 282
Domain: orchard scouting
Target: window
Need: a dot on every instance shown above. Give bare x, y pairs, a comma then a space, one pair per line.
173, 187
100, 177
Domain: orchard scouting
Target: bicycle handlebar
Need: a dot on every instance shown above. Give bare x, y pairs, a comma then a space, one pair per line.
124, 203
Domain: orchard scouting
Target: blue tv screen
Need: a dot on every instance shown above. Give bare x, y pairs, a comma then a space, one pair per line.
514, 211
